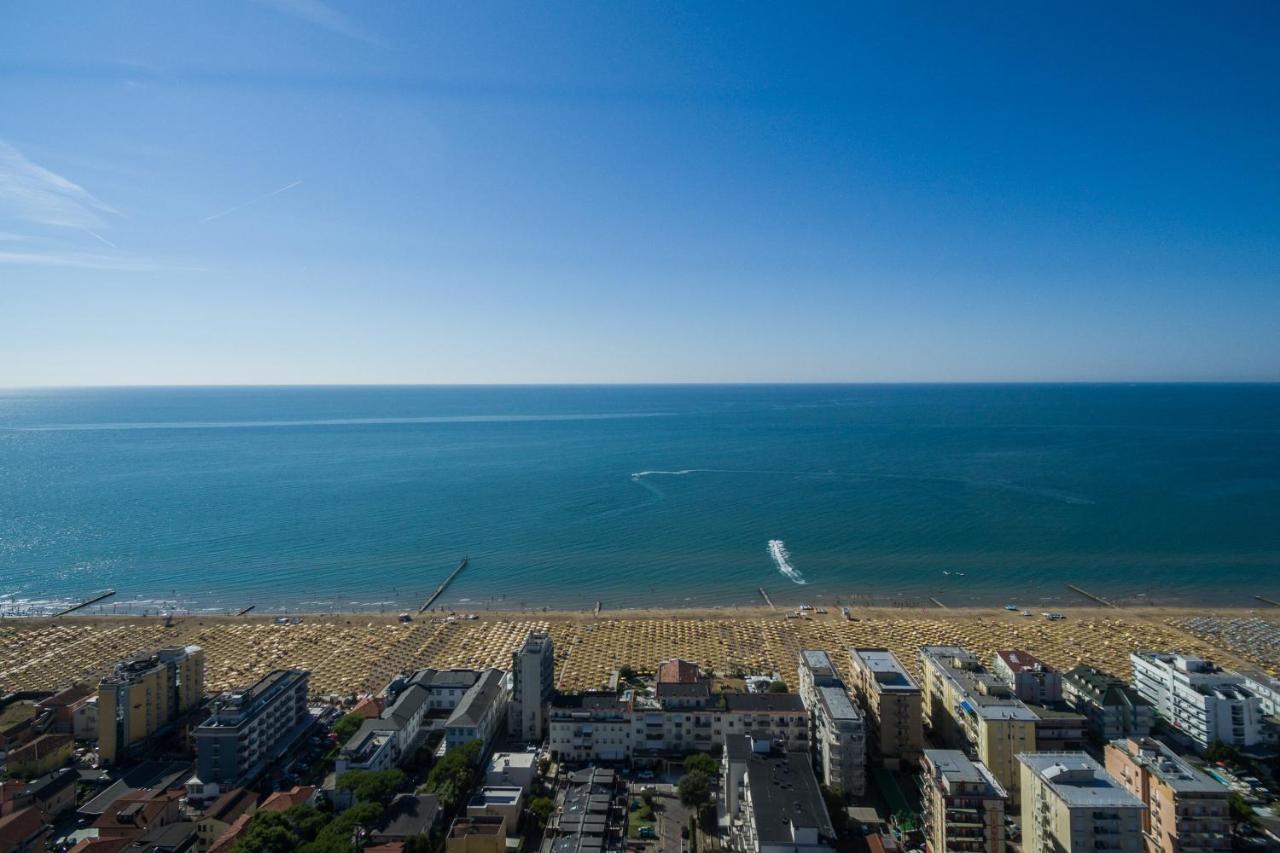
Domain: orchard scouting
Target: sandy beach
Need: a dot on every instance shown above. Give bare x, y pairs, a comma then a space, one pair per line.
349, 653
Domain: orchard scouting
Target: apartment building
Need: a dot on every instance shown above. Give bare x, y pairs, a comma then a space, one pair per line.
146, 694
839, 741
532, 684
1070, 804
1032, 680
587, 816
838, 729
893, 704
963, 804
1186, 809
250, 728
606, 727
772, 799
481, 712
1112, 707
968, 706
1203, 701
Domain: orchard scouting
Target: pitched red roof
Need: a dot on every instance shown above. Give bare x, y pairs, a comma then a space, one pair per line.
19, 827
1020, 661
676, 671
282, 801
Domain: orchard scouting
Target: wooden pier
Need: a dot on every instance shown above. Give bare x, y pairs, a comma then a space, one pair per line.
766, 598
246, 610
1266, 600
597, 610
440, 589
1091, 596
99, 597
938, 603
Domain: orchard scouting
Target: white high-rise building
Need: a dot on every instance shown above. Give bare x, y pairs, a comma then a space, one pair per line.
533, 682
1203, 701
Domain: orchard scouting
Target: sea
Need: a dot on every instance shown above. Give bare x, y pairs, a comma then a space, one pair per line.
317, 499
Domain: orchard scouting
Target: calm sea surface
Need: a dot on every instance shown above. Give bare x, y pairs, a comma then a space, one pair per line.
318, 498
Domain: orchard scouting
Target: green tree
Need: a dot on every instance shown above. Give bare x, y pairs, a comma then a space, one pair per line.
339, 834
372, 786
834, 801
778, 687
453, 776
695, 790
541, 808
626, 672
700, 762
1219, 751
1240, 808
346, 726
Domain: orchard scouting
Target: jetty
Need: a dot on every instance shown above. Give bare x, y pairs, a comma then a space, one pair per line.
444, 584
597, 611
1091, 596
938, 603
1266, 600
766, 598
99, 597
246, 610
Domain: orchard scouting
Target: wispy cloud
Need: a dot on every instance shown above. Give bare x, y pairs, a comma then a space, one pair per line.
250, 202
77, 260
31, 193
321, 14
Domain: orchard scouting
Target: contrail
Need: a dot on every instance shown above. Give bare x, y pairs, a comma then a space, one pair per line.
103, 239
250, 202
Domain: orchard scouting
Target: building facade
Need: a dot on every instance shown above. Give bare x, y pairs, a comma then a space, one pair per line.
532, 684
1032, 680
481, 713
1203, 701
144, 695
1070, 804
1186, 809
1112, 707
968, 706
894, 707
249, 728
963, 804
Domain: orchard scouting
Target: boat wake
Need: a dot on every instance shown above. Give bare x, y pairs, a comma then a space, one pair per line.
782, 559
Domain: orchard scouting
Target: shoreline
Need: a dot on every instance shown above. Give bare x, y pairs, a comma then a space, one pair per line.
1070, 596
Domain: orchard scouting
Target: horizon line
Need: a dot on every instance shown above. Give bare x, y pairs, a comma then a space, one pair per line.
651, 384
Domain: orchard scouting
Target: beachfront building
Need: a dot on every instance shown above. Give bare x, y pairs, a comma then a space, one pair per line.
893, 705
1070, 804
604, 726
250, 728
968, 706
772, 799
533, 682
1112, 707
1186, 809
1266, 688
839, 741
480, 713
391, 738
963, 804
588, 727
1032, 680
144, 695
1203, 701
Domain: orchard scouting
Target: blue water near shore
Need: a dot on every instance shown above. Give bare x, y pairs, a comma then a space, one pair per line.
366, 497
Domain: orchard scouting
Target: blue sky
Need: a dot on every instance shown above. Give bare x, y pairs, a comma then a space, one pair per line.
307, 191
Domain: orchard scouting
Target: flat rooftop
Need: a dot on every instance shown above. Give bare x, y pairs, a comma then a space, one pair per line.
1169, 767
837, 703
889, 673
1079, 780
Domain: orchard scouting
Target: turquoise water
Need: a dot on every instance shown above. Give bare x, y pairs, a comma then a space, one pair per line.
319, 498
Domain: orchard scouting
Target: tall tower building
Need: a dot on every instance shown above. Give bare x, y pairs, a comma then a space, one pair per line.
533, 681
145, 694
